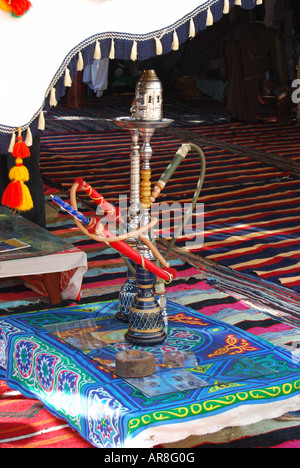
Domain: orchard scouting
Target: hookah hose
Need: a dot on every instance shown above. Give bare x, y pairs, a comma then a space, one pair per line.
114, 213
111, 212
178, 158
91, 227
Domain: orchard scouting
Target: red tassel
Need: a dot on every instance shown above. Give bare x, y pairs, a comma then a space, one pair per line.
19, 7
20, 150
13, 195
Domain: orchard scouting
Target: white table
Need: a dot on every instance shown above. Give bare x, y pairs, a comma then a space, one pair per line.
50, 266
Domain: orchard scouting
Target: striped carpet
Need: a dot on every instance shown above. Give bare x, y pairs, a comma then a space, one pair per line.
24, 423
251, 208
262, 219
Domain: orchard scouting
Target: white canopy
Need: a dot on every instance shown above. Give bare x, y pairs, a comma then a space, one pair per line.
42, 50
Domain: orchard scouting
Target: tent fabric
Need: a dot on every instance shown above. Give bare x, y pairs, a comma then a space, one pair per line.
42, 50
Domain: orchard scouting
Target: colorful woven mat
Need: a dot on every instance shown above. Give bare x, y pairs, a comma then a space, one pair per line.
209, 374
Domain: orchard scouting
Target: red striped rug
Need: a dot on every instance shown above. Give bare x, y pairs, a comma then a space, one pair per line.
251, 218
271, 137
25, 423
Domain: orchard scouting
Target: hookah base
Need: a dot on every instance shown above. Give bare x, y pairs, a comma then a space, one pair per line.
147, 338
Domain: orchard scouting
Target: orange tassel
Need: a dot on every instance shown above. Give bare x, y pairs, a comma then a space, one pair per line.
17, 195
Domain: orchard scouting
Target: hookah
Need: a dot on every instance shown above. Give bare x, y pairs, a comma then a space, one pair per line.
147, 269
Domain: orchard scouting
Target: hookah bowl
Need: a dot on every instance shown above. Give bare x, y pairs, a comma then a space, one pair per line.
148, 97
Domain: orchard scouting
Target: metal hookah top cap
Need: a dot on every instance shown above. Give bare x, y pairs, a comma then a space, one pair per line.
148, 97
